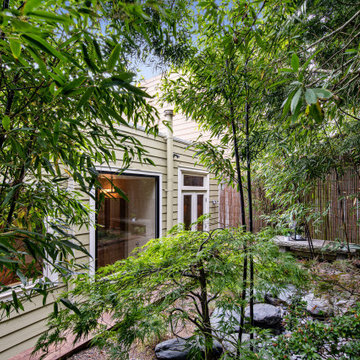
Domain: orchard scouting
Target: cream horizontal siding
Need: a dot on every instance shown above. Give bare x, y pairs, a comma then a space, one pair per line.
21, 330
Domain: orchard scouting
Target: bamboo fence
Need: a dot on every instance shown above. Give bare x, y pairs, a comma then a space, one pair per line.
337, 198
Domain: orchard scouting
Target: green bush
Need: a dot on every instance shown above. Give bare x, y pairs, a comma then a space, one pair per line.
338, 338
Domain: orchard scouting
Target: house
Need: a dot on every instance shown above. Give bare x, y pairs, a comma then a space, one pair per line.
174, 191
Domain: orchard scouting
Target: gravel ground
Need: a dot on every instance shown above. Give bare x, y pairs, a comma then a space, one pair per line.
94, 353
90, 354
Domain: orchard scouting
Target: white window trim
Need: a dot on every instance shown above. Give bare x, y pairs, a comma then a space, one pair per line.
92, 230
205, 189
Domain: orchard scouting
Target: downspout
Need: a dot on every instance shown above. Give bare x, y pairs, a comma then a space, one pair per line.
170, 170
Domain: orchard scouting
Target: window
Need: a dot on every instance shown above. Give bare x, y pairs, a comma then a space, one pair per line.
124, 225
193, 180
33, 268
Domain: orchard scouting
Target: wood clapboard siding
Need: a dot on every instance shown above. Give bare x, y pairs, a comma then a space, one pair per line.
20, 331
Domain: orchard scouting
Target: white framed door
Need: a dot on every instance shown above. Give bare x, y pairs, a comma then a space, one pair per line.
193, 198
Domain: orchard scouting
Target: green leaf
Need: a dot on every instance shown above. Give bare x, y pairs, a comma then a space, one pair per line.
310, 96
74, 246
40, 43
286, 70
115, 115
351, 51
24, 27
323, 93
97, 49
10, 194
56, 308
114, 56
31, 5
70, 306
21, 276
49, 16
316, 113
6, 122
15, 47
15, 300
295, 100
295, 63
34, 54
84, 99
88, 60
73, 84
4, 259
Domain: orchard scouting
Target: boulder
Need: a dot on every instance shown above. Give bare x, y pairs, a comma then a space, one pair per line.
266, 316
172, 349
225, 321
317, 306
229, 342
285, 296
179, 349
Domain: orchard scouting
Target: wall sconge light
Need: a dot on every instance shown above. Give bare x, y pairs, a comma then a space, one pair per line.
176, 156
214, 202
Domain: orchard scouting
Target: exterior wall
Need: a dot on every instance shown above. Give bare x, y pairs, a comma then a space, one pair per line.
183, 127
21, 330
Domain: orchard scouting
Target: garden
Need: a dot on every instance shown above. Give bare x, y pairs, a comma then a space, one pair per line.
275, 86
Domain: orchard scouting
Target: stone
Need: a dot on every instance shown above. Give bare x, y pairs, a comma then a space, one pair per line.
179, 349
266, 316
172, 349
229, 342
285, 296
317, 306
225, 321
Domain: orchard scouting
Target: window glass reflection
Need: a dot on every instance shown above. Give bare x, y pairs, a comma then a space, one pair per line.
124, 225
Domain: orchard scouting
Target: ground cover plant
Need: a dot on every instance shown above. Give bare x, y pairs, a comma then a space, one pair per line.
170, 283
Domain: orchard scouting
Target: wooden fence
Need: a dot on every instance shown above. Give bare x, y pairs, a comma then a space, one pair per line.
338, 197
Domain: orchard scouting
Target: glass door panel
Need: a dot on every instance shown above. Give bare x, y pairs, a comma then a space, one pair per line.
200, 210
193, 208
187, 211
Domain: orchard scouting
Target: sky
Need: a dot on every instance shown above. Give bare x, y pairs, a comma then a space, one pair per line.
148, 71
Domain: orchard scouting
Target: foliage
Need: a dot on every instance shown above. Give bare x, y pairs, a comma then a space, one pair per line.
171, 282
336, 339
67, 101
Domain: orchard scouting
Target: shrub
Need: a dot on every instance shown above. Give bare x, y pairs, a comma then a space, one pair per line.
169, 283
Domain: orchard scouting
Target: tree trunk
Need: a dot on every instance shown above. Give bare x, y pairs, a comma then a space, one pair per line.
242, 208
250, 209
